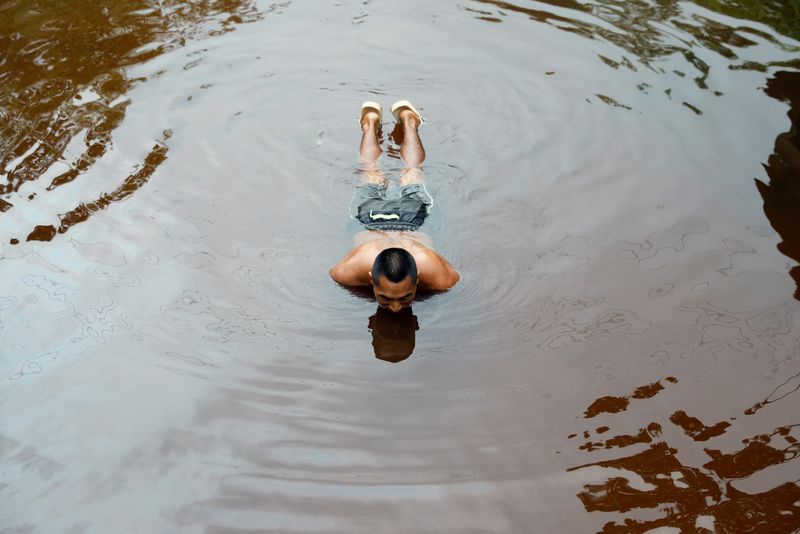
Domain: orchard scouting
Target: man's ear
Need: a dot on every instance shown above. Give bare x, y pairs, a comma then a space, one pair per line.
369, 274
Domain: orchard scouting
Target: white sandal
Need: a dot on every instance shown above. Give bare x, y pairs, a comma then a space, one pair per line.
370, 106
405, 104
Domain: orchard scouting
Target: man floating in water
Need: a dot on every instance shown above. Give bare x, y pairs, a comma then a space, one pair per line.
391, 255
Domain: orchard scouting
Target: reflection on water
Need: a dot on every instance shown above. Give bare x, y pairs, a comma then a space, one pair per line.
174, 182
692, 498
654, 31
782, 194
63, 89
393, 334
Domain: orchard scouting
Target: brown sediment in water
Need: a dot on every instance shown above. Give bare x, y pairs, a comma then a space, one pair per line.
645, 435
655, 466
695, 429
610, 404
42, 233
54, 55
686, 494
756, 456
693, 493
607, 404
772, 511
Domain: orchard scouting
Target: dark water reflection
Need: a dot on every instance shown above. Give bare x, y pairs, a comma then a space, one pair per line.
692, 498
63, 77
621, 354
393, 334
649, 32
782, 194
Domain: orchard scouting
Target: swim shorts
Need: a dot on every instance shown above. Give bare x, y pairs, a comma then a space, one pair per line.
397, 209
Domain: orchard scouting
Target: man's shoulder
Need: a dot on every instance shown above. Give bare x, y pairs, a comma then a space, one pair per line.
353, 269
436, 273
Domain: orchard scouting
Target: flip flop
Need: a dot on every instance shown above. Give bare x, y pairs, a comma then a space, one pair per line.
401, 104
370, 106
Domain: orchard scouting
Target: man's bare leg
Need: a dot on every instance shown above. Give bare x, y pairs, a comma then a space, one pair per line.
411, 149
370, 149
413, 154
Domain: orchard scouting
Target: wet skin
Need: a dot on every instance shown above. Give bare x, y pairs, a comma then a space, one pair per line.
394, 296
434, 272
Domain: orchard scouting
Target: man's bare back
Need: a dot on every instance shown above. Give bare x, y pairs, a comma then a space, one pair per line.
392, 255
435, 273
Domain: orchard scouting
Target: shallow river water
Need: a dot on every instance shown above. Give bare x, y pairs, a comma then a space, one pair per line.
622, 353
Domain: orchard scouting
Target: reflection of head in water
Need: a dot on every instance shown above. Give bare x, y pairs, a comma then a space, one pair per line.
394, 279
393, 334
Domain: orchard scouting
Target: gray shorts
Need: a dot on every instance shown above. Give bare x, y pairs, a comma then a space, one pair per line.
395, 209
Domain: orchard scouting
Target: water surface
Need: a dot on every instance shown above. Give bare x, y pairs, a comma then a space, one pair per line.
620, 355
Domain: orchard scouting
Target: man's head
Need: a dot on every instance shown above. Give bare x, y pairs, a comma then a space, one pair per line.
394, 279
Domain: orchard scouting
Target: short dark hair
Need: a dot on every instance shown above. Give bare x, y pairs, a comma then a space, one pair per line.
395, 264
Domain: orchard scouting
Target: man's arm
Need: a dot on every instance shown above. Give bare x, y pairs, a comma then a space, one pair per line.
352, 270
435, 273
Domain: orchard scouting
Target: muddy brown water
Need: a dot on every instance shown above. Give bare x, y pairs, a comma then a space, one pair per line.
621, 354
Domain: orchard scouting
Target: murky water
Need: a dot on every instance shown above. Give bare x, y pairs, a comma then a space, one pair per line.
621, 354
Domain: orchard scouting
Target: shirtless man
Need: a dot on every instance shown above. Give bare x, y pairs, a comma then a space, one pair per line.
391, 255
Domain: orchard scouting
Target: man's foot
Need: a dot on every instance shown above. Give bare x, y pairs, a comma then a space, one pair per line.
405, 112
370, 120
370, 116
409, 118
